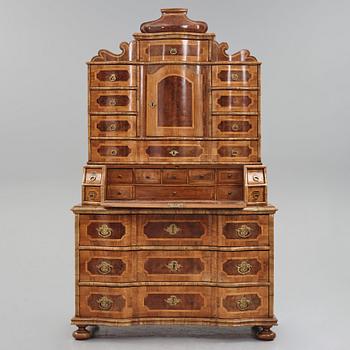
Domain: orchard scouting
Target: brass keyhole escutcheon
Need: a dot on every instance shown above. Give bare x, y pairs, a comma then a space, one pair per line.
174, 152
244, 231
113, 77
113, 102
243, 268
234, 76
173, 300
256, 178
153, 104
104, 267
104, 231
114, 152
235, 127
173, 51
105, 303
172, 229
234, 153
112, 127
93, 177
173, 266
243, 303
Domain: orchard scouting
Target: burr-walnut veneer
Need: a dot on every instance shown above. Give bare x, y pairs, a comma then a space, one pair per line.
174, 226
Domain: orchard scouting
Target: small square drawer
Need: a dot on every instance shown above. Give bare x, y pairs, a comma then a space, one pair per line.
119, 176
256, 176
92, 176
201, 176
147, 176
110, 126
235, 75
113, 101
174, 176
91, 194
119, 192
235, 126
235, 101
232, 193
257, 195
232, 176
112, 75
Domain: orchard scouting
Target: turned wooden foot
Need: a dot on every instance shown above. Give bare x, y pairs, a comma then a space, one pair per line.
82, 333
264, 333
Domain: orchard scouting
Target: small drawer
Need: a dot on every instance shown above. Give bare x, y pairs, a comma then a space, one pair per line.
201, 176
92, 176
105, 266
174, 50
104, 302
232, 176
112, 75
239, 151
235, 75
104, 230
112, 101
174, 266
256, 176
257, 195
108, 151
233, 126
112, 126
243, 230
244, 302
240, 267
174, 176
235, 101
176, 230
175, 301
147, 176
232, 193
118, 176
174, 193
118, 192
92, 194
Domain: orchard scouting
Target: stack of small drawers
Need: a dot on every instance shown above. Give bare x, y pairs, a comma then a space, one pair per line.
174, 226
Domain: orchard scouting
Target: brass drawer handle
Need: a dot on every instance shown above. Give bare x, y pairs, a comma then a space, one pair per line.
104, 268
112, 127
244, 268
243, 303
93, 177
173, 266
173, 51
255, 195
105, 303
234, 153
113, 77
256, 178
174, 152
104, 231
235, 127
172, 229
244, 231
113, 102
114, 152
234, 76
173, 300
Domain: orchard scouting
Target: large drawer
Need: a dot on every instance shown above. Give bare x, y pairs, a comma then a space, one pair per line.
109, 101
235, 75
112, 126
235, 126
235, 101
112, 75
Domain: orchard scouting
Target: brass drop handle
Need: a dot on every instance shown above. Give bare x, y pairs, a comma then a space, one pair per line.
173, 300
104, 231
153, 104
104, 303
113, 77
256, 178
174, 152
244, 231
173, 266
93, 177
234, 153
243, 303
243, 268
173, 51
114, 152
172, 229
235, 127
234, 76
113, 102
112, 127
104, 268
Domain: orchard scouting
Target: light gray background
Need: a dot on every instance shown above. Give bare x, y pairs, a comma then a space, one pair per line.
304, 47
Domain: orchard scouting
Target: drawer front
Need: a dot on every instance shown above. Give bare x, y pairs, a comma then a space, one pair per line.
174, 50
176, 230
240, 151
110, 101
119, 192
92, 176
238, 267
243, 302
105, 230
257, 195
111, 126
112, 75
174, 193
91, 194
256, 176
174, 301
235, 76
119, 176
232, 176
235, 101
103, 302
174, 266
105, 266
175, 176
243, 230
232, 192
201, 176
147, 176
112, 151
233, 126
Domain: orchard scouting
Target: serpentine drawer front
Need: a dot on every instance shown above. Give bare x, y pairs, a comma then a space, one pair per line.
174, 225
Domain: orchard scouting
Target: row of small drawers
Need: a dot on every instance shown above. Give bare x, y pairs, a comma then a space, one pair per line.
114, 151
222, 126
223, 101
125, 76
172, 301
104, 230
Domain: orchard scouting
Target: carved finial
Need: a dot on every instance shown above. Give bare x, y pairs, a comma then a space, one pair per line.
174, 20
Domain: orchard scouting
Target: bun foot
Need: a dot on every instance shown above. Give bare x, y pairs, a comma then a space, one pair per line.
264, 333
82, 333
